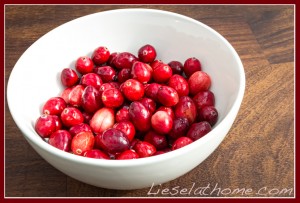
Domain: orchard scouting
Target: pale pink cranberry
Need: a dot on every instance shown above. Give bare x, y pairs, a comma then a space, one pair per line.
102, 120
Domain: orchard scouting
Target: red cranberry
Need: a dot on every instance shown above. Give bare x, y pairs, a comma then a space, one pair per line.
181, 142
198, 130
141, 72
82, 127
100, 55
144, 149
140, 116
162, 73
54, 106
82, 142
191, 65
199, 81
84, 65
204, 98
161, 122
177, 67
128, 154
180, 128
122, 114
155, 64
169, 111
124, 60
186, 108
147, 53
157, 140
105, 86
96, 154
61, 139
111, 58
124, 75
71, 116
132, 89
107, 73
151, 91
102, 120
178, 83
112, 98
69, 77
47, 124
127, 128
91, 99
149, 104
167, 96
209, 114
91, 79
75, 95
113, 141
65, 94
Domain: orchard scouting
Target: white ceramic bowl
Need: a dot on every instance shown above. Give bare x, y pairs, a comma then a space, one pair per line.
35, 78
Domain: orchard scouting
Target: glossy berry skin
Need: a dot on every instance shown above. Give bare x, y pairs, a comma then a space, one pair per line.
155, 63
113, 141
209, 114
132, 89
71, 116
69, 77
75, 96
96, 154
128, 154
168, 110
82, 127
162, 73
100, 55
127, 128
105, 86
204, 98
65, 94
199, 81
198, 130
47, 124
91, 99
179, 83
149, 104
124, 60
82, 142
102, 120
140, 116
180, 128
186, 108
177, 67
112, 98
167, 96
61, 139
107, 73
91, 79
84, 65
157, 140
124, 75
54, 106
112, 58
122, 114
161, 122
141, 72
191, 65
151, 91
144, 149
147, 53
181, 142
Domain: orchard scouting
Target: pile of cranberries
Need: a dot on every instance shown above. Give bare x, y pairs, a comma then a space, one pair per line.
122, 106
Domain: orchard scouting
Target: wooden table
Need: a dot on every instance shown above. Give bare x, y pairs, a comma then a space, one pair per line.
257, 156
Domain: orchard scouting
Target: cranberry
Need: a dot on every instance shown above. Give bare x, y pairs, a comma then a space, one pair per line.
84, 65
112, 98
209, 114
107, 73
144, 149
149, 104
124, 60
161, 122
162, 73
82, 142
204, 98
87, 116
105, 86
147, 53
54, 106
157, 140
178, 83
128, 154
127, 128
199, 81
177, 67
113, 141
100, 55
122, 114
69, 77
71, 116
132, 89
186, 108
141, 72
65, 94
102, 120
151, 91
124, 75
112, 58
191, 65
47, 124
180, 128
140, 116
198, 130
167, 96
155, 64
96, 154
181, 142
75, 95
91, 99
169, 111
61, 139
91, 79
82, 127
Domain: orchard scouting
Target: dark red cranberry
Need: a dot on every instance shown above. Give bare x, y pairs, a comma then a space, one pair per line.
71, 116
102, 120
191, 65
82, 127
162, 73
149, 104
180, 128
128, 154
132, 89
100, 55
82, 142
54, 106
204, 98
84, 65
124, 60
157, 140
209, 114
198, 130
186, 108
199, 81
75, 95
161, 122
169, 111
141, 72
122, 114
144, 149
124, 75
107, 73
69, 77
91, 99
91, 79
127, 128
147, 53
151, 91
177, 67
181, 142
140, 116
96, 154
87, 116
47, 124
167, 96
112, 98
178, 83
61, 139
111, 58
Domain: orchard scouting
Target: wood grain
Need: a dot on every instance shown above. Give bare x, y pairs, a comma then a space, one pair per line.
257, 154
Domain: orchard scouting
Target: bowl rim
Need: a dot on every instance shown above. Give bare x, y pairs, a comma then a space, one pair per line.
30, 136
